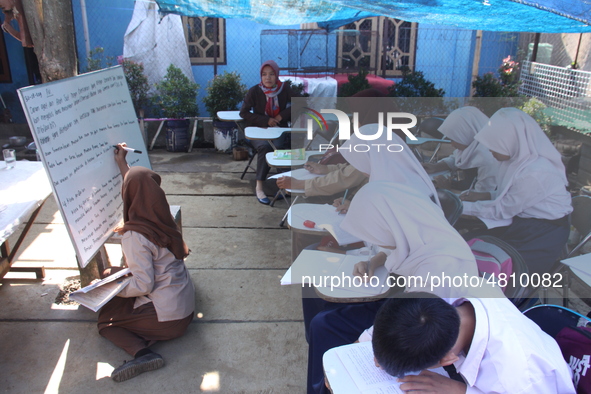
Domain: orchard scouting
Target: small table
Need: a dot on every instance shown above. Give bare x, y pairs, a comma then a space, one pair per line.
163, 120
231, 116
23, 189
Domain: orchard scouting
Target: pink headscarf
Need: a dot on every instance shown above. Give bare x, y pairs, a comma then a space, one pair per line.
272, 108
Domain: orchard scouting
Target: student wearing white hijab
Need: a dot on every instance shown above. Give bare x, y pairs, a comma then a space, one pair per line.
532, 189
387, 160
461, 126
423, 243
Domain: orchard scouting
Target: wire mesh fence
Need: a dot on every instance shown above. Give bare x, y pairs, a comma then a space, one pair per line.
566, 93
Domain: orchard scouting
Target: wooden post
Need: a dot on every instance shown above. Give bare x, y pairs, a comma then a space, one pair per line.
476, 60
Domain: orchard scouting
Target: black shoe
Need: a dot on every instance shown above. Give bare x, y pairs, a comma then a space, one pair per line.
133, 368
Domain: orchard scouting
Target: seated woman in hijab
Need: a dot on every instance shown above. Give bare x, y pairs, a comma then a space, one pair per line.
531, 204
422, 243
461, 126
267, 105
159, 301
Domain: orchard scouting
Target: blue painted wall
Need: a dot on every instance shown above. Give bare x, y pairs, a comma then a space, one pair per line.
443, 54
243, 54
20, 78
107, 23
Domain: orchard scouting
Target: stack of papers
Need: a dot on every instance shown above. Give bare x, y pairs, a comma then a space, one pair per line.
96, 295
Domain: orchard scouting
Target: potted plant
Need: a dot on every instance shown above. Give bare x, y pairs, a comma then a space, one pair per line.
177, 101
137, 82
224, 93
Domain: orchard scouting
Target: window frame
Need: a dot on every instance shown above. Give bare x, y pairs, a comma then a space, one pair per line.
376, 52
202, 61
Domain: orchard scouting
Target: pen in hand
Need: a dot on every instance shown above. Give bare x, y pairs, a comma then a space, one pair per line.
343, 201
471, 186
127, 149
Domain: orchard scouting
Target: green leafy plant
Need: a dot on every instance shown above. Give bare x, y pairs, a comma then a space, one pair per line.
137, 83
356, 84
535, 108
96, 58
506, 85
414, 84
224, 93
178, 95
298, 88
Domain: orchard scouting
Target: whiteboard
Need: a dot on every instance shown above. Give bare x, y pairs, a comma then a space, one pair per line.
75, 122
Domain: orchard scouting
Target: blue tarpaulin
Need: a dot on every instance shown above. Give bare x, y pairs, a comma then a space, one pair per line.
541, 16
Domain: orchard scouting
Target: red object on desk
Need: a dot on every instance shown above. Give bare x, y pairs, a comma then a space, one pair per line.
309, 224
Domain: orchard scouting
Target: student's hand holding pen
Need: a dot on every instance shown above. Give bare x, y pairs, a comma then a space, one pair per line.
341, 206
315, 168
120, 155
366, 269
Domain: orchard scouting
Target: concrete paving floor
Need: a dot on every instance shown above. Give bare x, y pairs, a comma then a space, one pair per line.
248, 336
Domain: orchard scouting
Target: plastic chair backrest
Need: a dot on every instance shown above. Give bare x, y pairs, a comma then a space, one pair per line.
430, 126
451, 205
553, 318
513, 290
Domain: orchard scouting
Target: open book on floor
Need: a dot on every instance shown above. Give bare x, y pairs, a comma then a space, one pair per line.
332, 275
350, 369
96, 295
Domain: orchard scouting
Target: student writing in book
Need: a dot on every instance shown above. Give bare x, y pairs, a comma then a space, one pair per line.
368, 104
532, 189
493, 346
337, 179
159, 302
397, 164
422, 243
461, 126
267, 105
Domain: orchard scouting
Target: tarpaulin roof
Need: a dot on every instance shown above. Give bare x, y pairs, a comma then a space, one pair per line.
542, 16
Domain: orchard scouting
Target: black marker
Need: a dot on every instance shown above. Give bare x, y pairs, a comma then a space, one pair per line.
127, 149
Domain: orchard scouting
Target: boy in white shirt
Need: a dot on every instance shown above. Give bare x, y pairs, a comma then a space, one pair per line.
492, 345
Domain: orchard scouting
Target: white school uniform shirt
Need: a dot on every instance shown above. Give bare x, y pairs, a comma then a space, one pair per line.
157, 277
383, 165
532, 183
510, 354
395, 215
461, 126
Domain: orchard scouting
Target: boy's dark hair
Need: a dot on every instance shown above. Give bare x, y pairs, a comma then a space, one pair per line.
414, 332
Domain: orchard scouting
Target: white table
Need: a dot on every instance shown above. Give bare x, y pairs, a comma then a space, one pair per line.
23, 191
270, 133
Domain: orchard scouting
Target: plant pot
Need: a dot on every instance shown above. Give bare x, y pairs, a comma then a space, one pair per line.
177, 135
240, 153
224, 135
